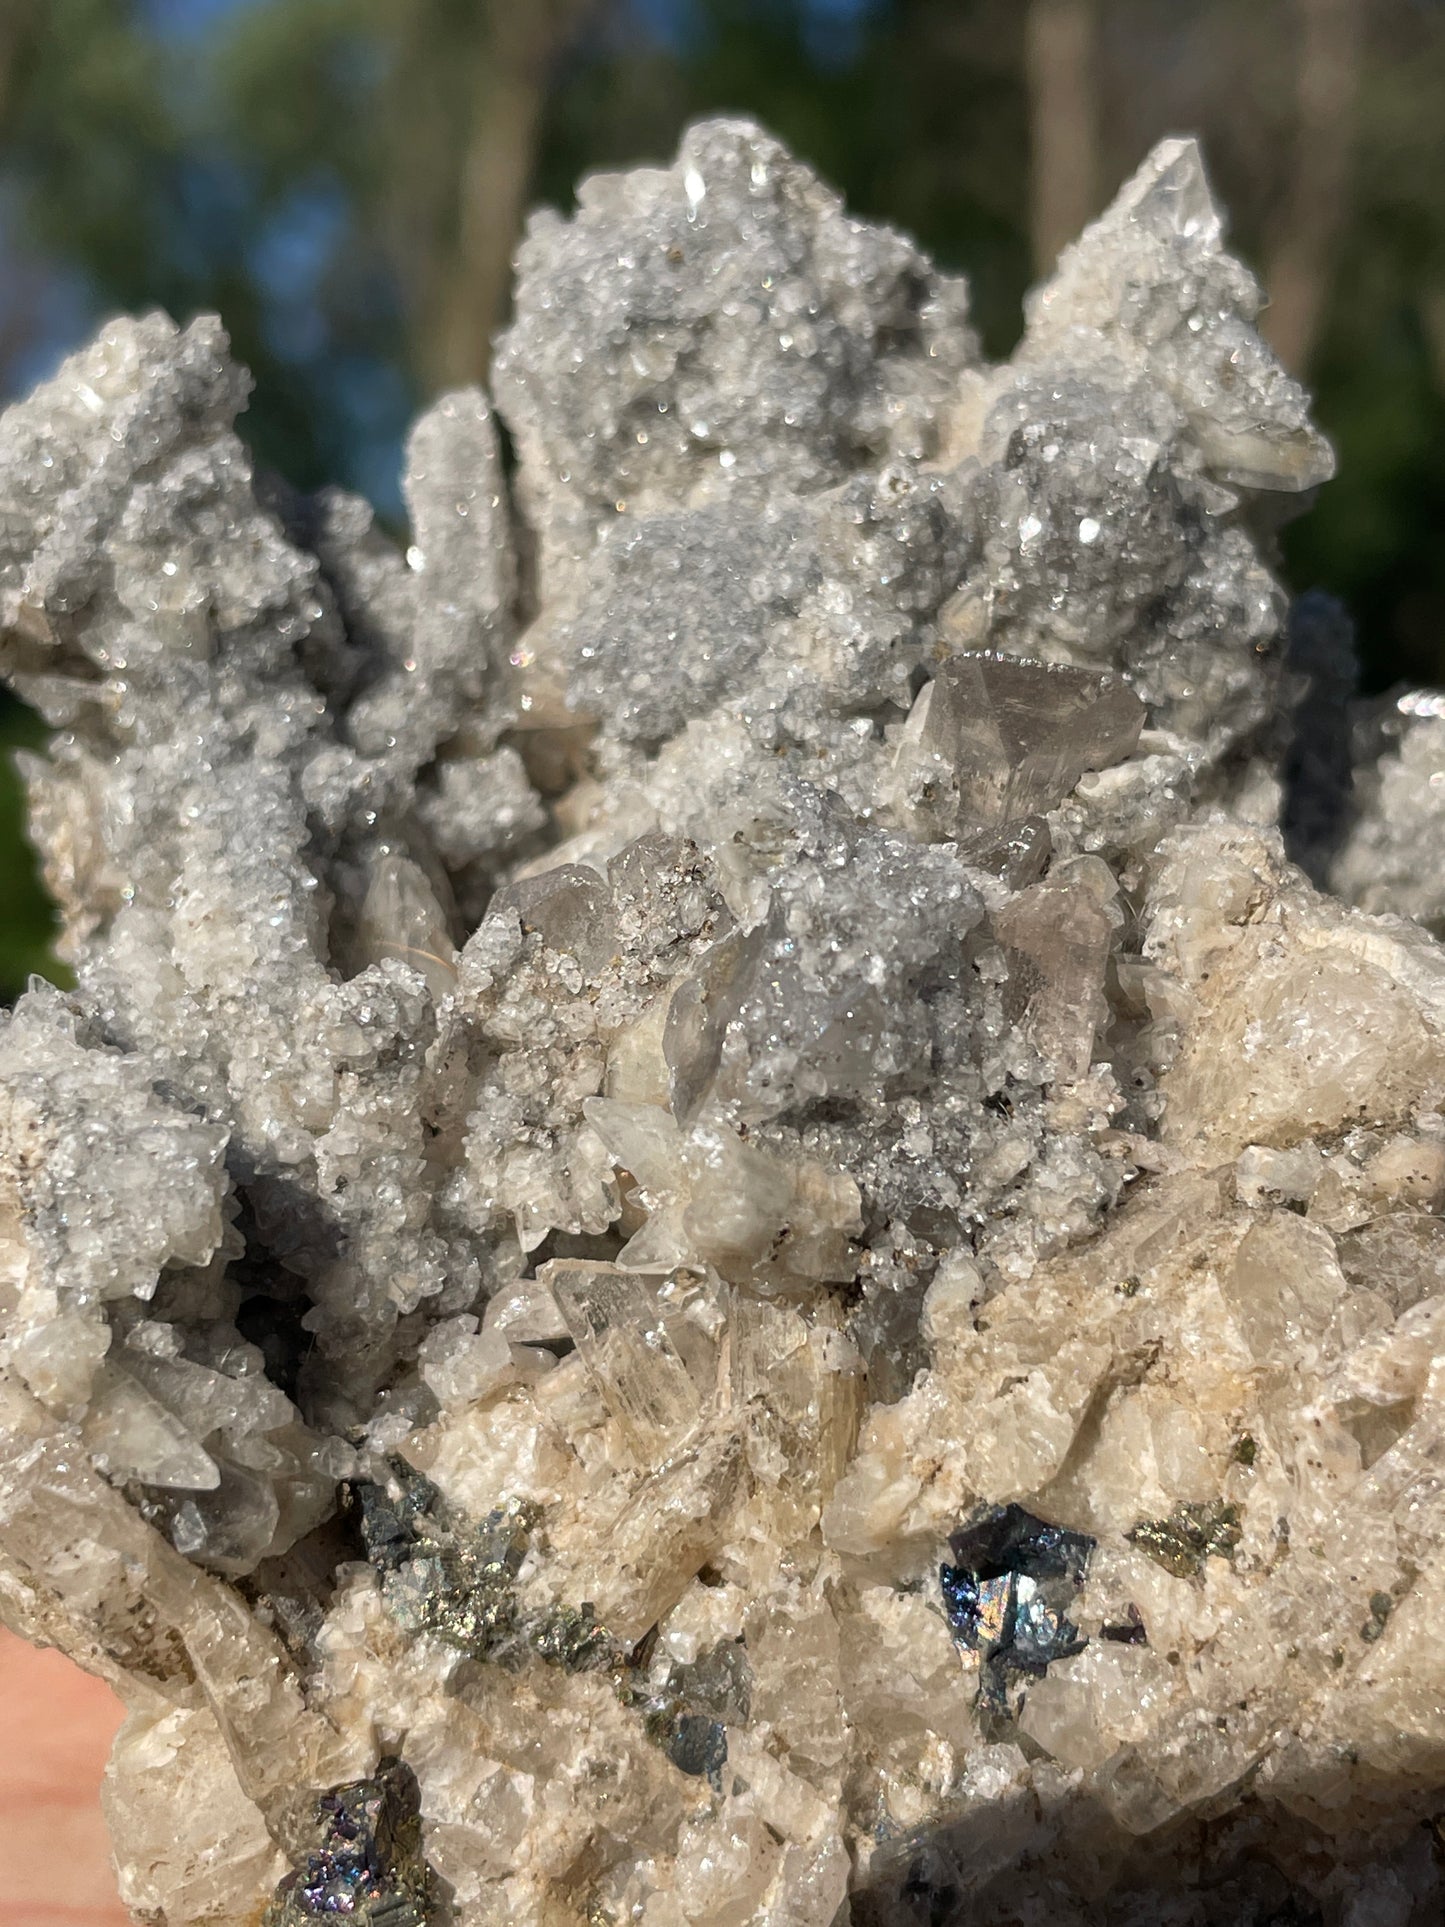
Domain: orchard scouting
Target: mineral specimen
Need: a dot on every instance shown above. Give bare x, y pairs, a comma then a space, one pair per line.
725, 1033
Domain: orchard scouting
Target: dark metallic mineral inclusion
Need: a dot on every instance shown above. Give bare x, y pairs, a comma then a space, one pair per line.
365, 1862
456, 1581
1007, 1595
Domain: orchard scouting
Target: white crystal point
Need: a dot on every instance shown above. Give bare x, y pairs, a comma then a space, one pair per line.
1169, 194
1162, 226
1152, 280
131, 1435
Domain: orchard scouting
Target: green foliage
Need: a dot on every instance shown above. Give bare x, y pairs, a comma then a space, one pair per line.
1373, 537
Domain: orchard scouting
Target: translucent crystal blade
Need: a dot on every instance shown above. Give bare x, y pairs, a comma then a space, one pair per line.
617, 1326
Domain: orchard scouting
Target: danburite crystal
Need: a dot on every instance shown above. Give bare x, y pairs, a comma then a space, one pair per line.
990, 741
729, 1030
618, 1327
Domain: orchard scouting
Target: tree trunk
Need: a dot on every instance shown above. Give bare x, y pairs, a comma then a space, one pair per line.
1061, 64
23, 275
17, 20
521, 45
1301, 264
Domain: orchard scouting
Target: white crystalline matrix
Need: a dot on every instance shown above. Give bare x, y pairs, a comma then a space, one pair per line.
715, 1237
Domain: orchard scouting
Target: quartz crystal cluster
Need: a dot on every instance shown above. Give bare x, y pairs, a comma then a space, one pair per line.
716, 1237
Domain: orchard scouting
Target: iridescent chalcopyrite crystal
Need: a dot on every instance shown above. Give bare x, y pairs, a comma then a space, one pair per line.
738, 1217
1006, 1598
363, 1860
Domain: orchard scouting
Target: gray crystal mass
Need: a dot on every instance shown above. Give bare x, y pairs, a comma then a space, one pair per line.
637, 1014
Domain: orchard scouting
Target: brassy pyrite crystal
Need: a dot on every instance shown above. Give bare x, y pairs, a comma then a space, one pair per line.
716, 1236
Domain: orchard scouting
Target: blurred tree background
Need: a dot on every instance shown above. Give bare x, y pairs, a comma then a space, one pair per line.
344, 180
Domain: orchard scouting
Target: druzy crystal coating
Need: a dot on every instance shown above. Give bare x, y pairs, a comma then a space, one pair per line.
726, 1027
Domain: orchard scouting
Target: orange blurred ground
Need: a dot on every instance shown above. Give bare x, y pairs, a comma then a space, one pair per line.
57, 1725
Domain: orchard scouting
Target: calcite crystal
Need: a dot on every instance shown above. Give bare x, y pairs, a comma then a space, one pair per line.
715, 1236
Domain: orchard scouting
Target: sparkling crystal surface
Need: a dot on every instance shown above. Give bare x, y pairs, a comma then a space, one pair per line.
715, 1237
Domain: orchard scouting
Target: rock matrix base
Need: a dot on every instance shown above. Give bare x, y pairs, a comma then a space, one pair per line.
715, 1236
